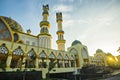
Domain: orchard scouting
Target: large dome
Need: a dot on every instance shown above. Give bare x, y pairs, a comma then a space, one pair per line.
76, 42
12, 24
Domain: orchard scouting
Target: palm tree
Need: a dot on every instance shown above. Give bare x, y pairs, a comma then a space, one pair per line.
118, 50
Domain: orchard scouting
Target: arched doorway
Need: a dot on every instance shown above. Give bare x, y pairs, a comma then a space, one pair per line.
60, 60
66, 61
17, 57
3, 55
30, 60
42, 60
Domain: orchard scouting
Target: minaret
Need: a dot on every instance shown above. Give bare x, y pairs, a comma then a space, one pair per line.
60, 32
44, 36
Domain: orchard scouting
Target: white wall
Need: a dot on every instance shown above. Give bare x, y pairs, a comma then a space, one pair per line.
28, 38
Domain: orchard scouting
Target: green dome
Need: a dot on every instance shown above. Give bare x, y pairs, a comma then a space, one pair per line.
99, 51
76, 42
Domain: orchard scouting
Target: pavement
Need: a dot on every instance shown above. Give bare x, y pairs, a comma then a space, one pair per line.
114, 76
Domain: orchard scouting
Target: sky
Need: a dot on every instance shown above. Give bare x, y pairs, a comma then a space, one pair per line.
95, 23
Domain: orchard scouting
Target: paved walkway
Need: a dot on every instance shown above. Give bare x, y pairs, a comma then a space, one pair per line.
116, 72
112, 78
115, 76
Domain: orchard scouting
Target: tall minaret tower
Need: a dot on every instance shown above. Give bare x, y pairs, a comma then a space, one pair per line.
60, 32
44, 36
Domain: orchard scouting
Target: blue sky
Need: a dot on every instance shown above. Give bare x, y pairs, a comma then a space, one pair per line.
96, 23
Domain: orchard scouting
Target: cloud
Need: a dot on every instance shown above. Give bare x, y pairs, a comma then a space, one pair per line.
66, 0
62, 8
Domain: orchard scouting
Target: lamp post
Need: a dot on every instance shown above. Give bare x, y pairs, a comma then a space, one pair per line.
75, 71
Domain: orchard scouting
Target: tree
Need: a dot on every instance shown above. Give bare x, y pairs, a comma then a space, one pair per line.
3, 66
50, 67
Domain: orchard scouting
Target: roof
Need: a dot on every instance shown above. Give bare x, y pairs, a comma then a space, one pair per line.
76, 42
12, 23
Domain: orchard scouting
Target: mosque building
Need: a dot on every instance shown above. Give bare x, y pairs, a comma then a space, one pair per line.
18, 47
104, 59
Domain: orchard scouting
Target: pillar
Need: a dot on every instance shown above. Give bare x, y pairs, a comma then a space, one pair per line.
9, 58
63, 64
69, 63
23, 61
36, 62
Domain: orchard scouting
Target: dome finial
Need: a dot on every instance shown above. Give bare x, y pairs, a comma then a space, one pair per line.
28, 31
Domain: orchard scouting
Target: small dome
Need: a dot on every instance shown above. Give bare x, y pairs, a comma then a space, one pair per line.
12, 23
76, 42
99, 51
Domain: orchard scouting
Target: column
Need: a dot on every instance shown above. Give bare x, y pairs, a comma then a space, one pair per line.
23, 61
47, 61
56, 66
69, 63
9, 58
36, 62
8, 61
63, 64
75, 63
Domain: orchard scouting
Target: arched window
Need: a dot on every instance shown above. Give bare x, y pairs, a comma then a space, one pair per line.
17, 56
73, 51
43, 54
42, 63
60, 36
59, 56
52, 56
99, 57
18, 51
15, 37
84, 53
3, 49
72, 61
3, 55
59, 59
31, 53
72, 57
66, 57
30, 61
100, 60
4, 32
66, 61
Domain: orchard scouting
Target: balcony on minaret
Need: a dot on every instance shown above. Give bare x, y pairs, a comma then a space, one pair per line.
44, 36
60, 32
44, 24
60, 42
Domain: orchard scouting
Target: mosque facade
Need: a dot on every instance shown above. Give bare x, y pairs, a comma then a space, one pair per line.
19, 49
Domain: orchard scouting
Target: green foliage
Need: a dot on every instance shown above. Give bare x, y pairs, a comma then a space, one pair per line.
50, 67
2, 66
115, 66
32, 70
18, 70
49, 79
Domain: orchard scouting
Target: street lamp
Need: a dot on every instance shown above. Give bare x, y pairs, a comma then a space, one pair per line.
75, 71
